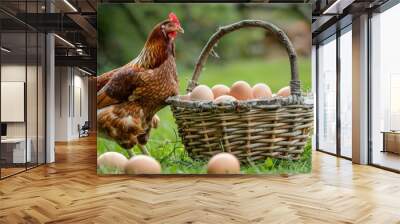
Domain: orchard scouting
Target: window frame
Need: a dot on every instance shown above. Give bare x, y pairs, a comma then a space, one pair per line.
342, 27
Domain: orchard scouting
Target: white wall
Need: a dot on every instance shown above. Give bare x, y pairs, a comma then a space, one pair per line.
11, 73
16, 73
61, 103
71, 94
33, 126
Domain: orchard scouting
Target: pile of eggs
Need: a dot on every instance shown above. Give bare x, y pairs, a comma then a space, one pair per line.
240, 90
140, 164
221, 163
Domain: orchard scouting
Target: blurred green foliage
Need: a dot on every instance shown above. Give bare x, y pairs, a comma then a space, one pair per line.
123, 29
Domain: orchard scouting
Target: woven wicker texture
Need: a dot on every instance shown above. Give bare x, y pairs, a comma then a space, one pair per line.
251, 130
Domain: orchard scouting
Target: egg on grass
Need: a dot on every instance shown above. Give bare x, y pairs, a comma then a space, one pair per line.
261, 91
202, 93
185, 97
241, 90
219, 90
142, 164
224, 99
112, 160
284, 92
223, 163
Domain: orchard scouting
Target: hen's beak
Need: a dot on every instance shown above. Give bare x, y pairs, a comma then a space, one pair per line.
180, 29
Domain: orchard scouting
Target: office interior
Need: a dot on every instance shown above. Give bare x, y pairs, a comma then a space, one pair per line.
357, 80
48, 67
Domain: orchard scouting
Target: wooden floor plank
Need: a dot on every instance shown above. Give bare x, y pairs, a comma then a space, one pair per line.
69, 191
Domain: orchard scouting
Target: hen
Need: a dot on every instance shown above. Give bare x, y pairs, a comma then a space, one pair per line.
129, 97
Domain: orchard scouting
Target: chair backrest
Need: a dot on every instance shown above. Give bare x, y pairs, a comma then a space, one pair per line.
86, 125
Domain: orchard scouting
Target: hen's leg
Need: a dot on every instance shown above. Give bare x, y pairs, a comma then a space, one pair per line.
142, 141
130, 152
144, 149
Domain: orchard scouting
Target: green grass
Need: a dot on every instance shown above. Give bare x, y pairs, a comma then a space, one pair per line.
165, 146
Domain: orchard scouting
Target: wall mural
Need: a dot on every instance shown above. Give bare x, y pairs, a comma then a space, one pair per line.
204, 89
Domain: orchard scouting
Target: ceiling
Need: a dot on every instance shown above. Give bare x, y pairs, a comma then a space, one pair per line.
332, 15
74, 22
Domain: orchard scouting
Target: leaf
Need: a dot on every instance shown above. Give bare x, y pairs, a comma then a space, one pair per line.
269, 163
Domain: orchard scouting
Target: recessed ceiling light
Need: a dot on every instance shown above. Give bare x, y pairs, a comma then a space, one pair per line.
65, 41
70, 5
84, 71
5, 50
337, 7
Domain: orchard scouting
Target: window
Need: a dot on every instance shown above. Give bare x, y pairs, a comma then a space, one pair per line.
346, 92
385, 89
334, 106
326, 105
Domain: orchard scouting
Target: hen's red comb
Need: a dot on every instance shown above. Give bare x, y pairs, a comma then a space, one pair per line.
173, 18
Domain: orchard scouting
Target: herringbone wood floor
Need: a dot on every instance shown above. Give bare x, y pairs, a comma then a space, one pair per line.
69, 191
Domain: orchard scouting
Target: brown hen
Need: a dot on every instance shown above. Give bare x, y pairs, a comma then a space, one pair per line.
129, 97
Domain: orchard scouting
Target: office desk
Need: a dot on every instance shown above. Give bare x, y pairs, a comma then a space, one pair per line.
13, 150
391, 141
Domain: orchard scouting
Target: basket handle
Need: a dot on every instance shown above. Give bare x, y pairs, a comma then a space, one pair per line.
222, 31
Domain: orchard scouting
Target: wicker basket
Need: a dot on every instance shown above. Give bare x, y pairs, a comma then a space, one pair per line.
251, 130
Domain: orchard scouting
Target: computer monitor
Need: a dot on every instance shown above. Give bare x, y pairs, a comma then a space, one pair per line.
3, 129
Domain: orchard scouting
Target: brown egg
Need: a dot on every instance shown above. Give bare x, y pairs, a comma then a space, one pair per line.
142, 164
185, 97
223, 163
284, 92
241, 90
261, 91
112, 160
219, 90
224, 98
202, 93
